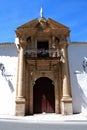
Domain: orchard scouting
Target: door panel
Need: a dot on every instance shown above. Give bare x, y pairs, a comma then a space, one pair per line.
43, 96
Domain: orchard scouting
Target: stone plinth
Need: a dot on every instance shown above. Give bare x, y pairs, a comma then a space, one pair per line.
20, 107
66, 106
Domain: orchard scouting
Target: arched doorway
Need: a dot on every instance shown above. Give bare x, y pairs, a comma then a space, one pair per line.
43, 96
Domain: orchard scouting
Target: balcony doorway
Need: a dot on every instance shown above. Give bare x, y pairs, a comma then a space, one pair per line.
42, 48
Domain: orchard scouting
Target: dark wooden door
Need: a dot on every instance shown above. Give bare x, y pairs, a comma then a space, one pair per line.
43, 96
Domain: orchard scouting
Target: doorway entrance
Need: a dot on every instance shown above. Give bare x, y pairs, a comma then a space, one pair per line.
43, 96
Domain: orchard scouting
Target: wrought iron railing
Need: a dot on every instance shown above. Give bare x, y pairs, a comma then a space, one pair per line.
42, 53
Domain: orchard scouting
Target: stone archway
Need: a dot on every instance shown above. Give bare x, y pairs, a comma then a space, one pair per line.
43, 96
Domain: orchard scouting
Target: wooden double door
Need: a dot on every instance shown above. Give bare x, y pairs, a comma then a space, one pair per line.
43, 96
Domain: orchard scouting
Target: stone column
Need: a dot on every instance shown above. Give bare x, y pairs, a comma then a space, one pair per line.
20, 100
66, 101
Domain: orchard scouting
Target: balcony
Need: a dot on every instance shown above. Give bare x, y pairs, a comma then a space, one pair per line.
43, 58
42, 54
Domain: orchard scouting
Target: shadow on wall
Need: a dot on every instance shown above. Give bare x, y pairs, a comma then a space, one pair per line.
7, 77
10, 85
81, 91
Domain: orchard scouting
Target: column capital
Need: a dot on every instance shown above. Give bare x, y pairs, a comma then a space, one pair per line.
22, 41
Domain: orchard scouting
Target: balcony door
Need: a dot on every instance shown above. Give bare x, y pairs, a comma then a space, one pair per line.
42, 48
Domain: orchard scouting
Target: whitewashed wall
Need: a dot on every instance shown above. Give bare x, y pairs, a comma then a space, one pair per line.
77, 52
8, 57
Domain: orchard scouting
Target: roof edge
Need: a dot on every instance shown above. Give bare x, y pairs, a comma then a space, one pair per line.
7, 43
54, 21
29, 22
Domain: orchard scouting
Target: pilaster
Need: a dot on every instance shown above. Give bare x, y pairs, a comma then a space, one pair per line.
20, 97
66, 101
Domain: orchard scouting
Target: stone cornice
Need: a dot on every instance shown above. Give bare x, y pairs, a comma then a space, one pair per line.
37, 27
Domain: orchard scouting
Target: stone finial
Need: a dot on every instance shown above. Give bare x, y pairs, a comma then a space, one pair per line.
41, 12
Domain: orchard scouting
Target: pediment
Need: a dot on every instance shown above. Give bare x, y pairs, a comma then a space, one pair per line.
42, 25
56, 25
30, 24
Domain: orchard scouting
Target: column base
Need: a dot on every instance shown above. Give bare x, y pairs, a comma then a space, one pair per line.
20, 107
66, 106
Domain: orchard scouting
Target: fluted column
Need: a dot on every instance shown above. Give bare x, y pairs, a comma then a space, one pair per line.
21, 73
66, 77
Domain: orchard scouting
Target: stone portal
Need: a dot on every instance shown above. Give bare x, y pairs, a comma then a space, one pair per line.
43, 81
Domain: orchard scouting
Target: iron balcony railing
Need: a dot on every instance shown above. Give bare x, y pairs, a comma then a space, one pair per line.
42, 53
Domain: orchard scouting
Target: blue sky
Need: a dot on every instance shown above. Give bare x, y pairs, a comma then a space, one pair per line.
72, 13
